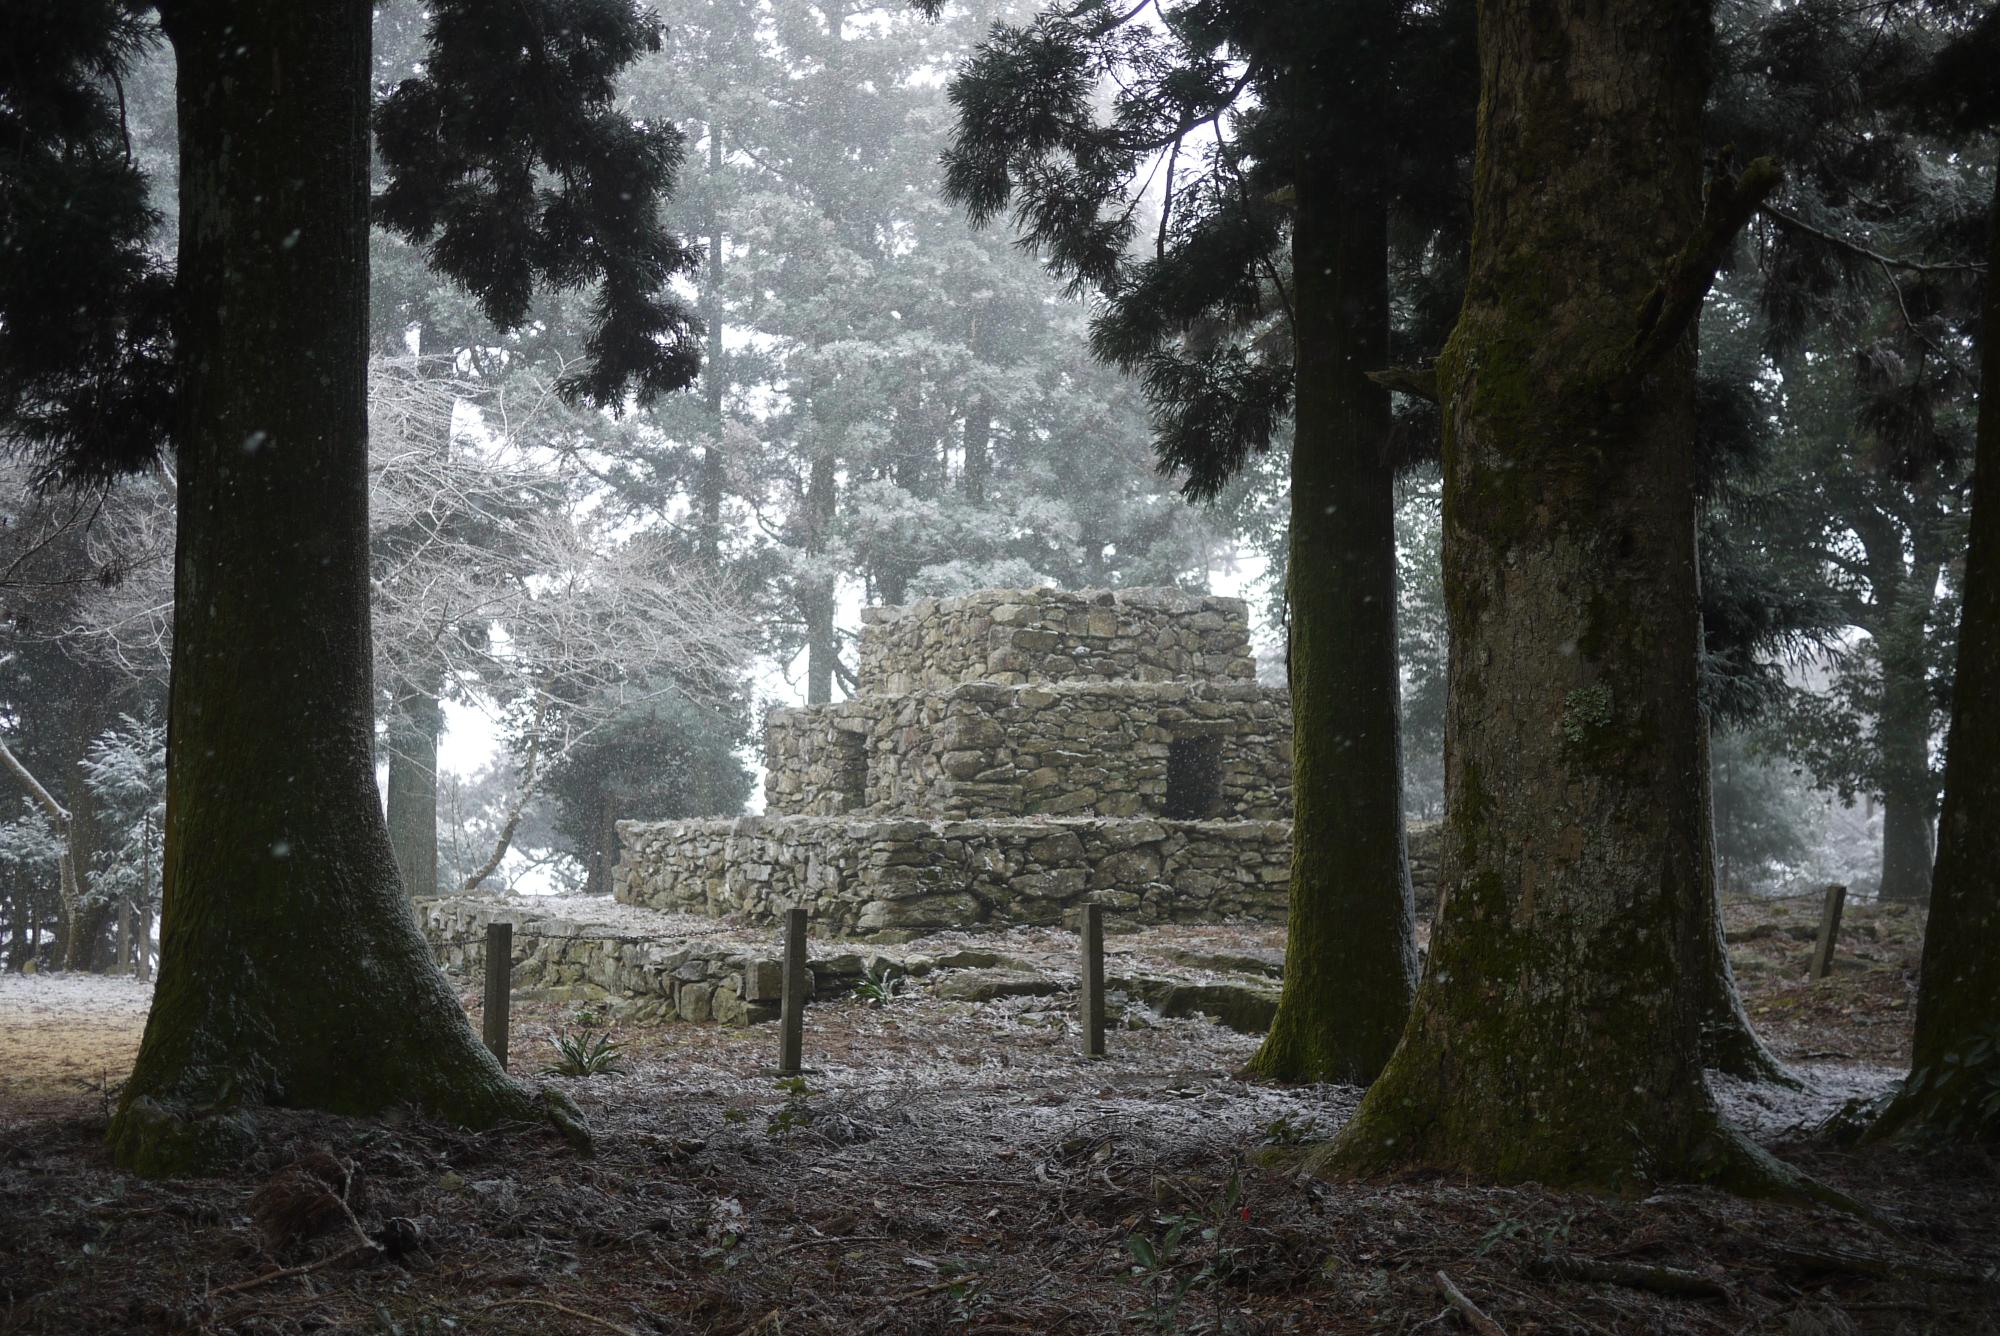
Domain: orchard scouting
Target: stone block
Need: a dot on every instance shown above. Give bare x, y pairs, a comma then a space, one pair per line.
695, 1001
763, 980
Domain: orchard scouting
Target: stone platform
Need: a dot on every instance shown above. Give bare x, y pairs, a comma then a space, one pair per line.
895, 878
1007, 757
647, 967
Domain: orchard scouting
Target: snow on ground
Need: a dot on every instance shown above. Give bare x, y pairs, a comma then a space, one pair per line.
603, 911
1771, 1112
60, 1033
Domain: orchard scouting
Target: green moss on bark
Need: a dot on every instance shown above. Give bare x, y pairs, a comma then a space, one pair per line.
1555, 1036
1954, 1085
291, 971
1350, 956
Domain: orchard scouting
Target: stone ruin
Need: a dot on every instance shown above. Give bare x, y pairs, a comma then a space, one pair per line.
1008, 757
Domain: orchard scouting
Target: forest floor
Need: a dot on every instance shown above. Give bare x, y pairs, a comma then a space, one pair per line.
950, 1165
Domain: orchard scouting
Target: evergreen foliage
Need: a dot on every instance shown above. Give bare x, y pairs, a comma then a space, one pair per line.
126, 769
508, 157
505, 156
1196, 300
86, 305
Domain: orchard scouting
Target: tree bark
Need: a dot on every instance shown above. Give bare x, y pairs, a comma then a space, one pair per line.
817, 597
603, 853
1350, 952
1555, 1035
1904, 733
291, 971
1900, 627
709, 486
1958, 995
978, 472
414, 726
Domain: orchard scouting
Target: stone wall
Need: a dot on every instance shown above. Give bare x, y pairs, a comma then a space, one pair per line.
895, 879
657, 974
816, 759
1422, 839
993, 750
1049, 635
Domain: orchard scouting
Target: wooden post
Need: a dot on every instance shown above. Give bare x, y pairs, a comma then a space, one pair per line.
792, 1024
1090, 932
499, 986
1829, 931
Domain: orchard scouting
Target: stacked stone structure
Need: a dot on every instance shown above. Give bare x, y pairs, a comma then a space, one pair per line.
1009, 756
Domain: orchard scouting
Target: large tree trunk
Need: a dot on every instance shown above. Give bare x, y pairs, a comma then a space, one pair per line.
1555, 1036
1956, 1059
1900, 627
414, 726
291, 971
714, 376
602, 856
1904, 735
978, 451
1350, 952
817, 597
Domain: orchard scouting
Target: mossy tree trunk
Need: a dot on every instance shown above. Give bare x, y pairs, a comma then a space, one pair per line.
414, 725
1956, 1053
1350, 952
1898, 620
1555, 1035
291, 969
1904, 734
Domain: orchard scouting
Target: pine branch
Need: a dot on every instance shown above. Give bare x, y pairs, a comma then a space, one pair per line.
1856, 249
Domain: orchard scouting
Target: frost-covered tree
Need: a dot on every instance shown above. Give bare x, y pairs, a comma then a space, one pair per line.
126, 768
897, 405
31, 859
1865, 295
662, 758
498, 584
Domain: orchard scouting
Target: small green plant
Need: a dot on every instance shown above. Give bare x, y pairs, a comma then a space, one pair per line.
1975, 1071
796, 1112
880, 984
584, 1053
1503, 1231
1510, 1228
1282, 1131
589, 1016
1192, 1251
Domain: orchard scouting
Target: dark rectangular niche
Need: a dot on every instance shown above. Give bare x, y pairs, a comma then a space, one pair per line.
1194, 778
850, 766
